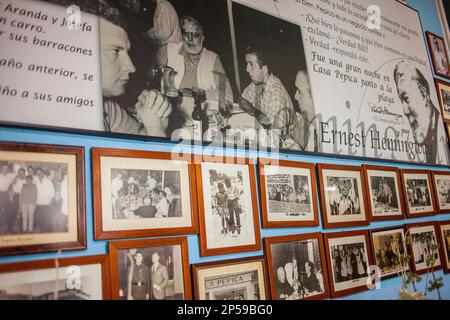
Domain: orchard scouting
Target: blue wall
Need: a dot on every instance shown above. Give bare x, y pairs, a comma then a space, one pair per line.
389, 287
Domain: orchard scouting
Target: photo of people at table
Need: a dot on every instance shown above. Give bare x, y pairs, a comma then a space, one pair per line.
418, 192
384, 194
157, 55
298, 269
137, 194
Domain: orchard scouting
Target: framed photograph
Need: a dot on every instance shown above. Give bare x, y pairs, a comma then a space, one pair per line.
42, 198
288, 194
142, 193
348, 256
418, 193
383, 187
238, 279
423, 236
343, 200
150, 269
388, 246
438, 54
228, 211
444, 233
297, 267
441, 180
80, 278
443, 91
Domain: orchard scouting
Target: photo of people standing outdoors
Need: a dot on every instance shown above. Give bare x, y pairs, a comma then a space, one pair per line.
227, 202
33, 197
145, 193
418, 193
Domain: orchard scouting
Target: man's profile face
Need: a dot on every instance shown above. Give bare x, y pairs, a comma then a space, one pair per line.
303, 92
192, 38
116, 64
415, 106
281, 275
255, 71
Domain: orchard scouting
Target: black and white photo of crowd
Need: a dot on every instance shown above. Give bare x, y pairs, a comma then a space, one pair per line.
150, 274
384, 194
298, 269
33, 197
236, 286
349, 262
443, 190
139, 194
418, 193
422, 243
343, 196
388, 249
227, 191
288, 194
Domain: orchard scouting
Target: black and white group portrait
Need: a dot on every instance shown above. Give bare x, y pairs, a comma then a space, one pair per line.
145, 194
422, 241
418, 193
34, 197
343, 196
389, 247
233, 286
288, 194
151, 273
297, 267
349, 262
384, 195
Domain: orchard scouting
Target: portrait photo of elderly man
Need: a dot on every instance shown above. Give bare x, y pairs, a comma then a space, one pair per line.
422, 115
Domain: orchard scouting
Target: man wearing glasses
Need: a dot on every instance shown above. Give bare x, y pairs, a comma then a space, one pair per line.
195, 66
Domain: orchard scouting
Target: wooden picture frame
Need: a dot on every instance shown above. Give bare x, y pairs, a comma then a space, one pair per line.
236, 266
303, 170
445, 109
431, 225
441, 186
230, 168
123, 163
52, 220
437, 60
71, 272
409, 196
393, 182
444, 234
353, 173
269, 242
153, 245
375, 246
359, 284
